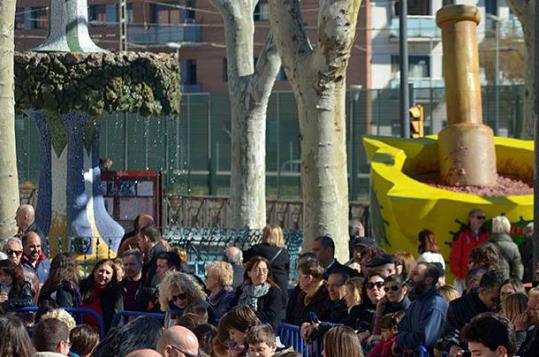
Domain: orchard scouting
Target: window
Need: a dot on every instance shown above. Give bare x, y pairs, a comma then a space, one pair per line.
97, 15
491, 7
38, 18
189, 72
418, 66
188, 15
261, 12
19, 18
415, 7
164, 14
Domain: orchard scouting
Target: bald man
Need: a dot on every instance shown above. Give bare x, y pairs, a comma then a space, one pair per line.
144, 353
25, 218
177, 341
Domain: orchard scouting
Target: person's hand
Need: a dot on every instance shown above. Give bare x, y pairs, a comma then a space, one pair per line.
3, 297
455, 351
307, 328
373, 338
520, 322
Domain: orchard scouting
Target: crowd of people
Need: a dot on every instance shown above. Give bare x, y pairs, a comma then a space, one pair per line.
377, 304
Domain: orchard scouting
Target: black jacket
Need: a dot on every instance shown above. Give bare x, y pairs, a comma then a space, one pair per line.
66, 294
526, 253
18, 297
318, 303
269, 306
280, 266
459, 313
530, 347
143, 295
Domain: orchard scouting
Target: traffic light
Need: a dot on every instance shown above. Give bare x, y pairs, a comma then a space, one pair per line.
417, 118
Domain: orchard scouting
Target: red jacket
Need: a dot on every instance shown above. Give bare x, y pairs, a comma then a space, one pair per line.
461, 248
383, 348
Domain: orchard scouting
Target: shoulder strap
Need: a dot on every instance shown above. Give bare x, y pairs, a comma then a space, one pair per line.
276, 255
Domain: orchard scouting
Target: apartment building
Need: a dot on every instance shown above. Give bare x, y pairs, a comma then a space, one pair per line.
194, 28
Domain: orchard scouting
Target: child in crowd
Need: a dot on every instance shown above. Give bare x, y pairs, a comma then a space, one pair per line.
389, 334
263, 343
233, 328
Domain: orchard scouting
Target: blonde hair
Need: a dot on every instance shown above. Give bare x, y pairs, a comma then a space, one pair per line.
355, 285
342, 341
273, 235
62, 315
174, 280
448, 293
514, 305
223, 271
500, 224
533, 293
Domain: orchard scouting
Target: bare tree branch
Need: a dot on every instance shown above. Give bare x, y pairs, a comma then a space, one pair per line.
266, 71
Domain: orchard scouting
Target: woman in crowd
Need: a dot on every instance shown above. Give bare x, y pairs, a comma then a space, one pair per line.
362, 316
515, 307
428, 249
101, 293
468, 238
84, 339
486, 256
448, 293
352, 296
341, 341
313, 297
501, 227
273, 249
15, 341
15, 292
219, 278
404, 263
233, 328
259, 292
62, 286
178, 294
138, 334
395, 300
511, 286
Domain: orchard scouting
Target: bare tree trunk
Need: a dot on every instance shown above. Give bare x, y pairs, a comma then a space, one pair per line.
9, 180
249, 92
317, 76
525, 11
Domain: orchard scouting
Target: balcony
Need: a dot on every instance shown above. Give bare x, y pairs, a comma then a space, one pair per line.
161, 34
420, 29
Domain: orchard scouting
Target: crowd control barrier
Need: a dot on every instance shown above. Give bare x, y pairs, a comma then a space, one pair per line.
77, 313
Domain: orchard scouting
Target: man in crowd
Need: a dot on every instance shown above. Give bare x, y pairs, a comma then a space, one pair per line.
130, 239
13, 250
234, 256
490, 335
324, 249
382, 264
530, 347
178, 341
425, 318
51, 338
33, 257
25, 218
151, 243
462, 310
136, 297
337, 290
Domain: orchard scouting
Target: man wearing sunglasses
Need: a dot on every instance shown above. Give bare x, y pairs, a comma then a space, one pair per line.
13, 250
177, 341
468, 238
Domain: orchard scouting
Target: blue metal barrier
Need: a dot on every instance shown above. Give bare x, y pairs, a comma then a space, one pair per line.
116, 318
420, 351
291, 336
78, 312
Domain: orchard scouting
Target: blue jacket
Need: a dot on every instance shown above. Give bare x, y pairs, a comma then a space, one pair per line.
424, 321
41, 270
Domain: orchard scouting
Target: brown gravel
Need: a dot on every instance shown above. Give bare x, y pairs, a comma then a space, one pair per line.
505, 186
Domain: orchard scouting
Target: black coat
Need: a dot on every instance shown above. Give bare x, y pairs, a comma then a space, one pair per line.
18, 297
318, 303
459, 313
66, 294
269, 307
280, 266
111, 299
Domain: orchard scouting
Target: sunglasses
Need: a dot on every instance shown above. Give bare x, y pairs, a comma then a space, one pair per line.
187, 354
392, 288
378, 285
11, 252
480, 217
181, 296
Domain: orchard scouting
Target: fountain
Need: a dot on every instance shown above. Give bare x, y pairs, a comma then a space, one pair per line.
464, 155
66, 85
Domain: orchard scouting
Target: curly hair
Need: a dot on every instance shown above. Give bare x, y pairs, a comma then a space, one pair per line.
14, 271
181, 281
485, 256
62, 315
223, 271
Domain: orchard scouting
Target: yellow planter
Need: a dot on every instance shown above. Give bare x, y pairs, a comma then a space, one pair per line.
402, 206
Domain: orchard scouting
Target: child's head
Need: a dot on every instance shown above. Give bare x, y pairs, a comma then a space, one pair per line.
261, 341
234, 325
388, 325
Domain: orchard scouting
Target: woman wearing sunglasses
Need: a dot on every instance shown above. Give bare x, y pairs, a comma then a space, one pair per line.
396, 300
260, 293
179, 294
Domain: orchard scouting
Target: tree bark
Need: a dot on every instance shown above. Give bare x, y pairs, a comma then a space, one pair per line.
317, 76
249, 90
9, 180
525, 12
